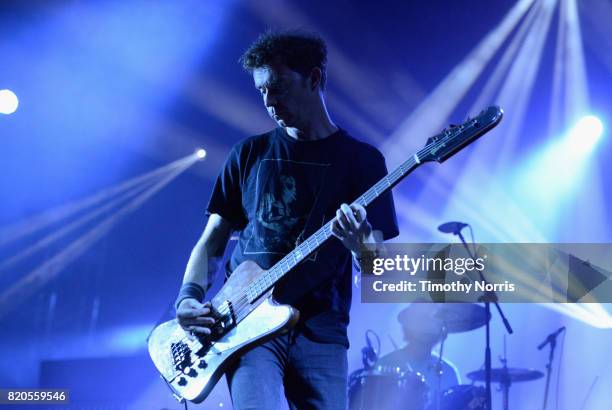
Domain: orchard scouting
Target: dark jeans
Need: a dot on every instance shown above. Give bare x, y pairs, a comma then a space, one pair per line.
313, 375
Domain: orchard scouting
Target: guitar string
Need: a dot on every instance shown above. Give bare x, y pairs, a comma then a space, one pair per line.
324, 229
241, 304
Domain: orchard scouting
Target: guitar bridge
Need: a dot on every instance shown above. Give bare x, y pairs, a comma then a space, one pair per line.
181, 356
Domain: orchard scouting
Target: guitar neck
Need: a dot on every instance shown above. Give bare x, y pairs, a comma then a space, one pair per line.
439, 148
310, 245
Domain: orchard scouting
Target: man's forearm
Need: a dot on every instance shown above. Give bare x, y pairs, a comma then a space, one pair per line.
199, 275
208, 252
200, 267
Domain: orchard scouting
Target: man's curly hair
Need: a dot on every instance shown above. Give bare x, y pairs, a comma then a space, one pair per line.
299, 50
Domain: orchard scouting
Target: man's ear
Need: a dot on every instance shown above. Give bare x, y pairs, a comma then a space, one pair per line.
315, 78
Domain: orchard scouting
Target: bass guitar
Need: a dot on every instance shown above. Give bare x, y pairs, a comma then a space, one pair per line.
244, 309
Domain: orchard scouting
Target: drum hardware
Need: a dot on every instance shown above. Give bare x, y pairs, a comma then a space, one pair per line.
447, 318
514, 374
395, 347
387, 387
505, 381
464, 397
444, 332
505, 376
461, 317
455, 318
552, 341
487, 298
369, 355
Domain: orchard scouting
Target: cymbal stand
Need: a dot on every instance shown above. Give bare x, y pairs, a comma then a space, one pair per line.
438, 367
505, 381
487, 298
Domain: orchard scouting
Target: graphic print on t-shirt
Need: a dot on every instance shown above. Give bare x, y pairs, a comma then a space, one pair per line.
286, 192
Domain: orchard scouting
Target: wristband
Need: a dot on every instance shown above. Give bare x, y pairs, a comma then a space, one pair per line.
366, 258
190, 290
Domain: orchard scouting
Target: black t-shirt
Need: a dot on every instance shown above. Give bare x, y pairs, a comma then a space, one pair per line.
272, 188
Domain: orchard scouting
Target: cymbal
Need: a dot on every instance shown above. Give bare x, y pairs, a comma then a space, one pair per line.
500, 375
461, 317
424, 317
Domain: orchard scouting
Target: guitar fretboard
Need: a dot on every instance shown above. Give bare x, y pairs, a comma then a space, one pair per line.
443, 146
310, 245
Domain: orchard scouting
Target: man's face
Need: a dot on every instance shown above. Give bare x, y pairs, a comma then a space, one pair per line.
286, 94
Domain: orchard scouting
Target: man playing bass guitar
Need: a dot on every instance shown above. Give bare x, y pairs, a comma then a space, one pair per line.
276, 189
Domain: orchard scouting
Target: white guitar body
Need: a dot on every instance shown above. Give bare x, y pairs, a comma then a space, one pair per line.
265, 321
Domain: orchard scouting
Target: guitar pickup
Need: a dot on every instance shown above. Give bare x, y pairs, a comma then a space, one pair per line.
226, 319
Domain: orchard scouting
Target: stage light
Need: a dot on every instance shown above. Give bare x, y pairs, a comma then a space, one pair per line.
584, 136
45, 219
576, 82
550, 182
201, 153
54, 264
8, 102
432, 113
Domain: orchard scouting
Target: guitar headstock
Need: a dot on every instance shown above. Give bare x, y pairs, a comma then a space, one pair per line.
451, 140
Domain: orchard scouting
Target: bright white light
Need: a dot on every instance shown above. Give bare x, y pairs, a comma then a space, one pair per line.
8, 102
201, 153
585, 134
550, 179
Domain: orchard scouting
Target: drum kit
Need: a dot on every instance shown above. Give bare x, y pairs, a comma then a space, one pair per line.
400, 387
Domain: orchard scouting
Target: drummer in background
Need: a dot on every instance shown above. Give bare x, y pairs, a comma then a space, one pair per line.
422, 332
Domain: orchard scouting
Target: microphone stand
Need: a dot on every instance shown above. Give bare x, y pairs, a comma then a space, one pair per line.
488, 298
552, 340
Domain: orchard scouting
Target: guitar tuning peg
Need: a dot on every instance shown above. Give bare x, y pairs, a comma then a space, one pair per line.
431, 139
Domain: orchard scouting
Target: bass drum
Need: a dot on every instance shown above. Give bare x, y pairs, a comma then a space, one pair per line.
464, 397
387, 390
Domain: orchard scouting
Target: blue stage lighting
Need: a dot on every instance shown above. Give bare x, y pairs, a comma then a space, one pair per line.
8, 102
201, 153
552, 178
585, 134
